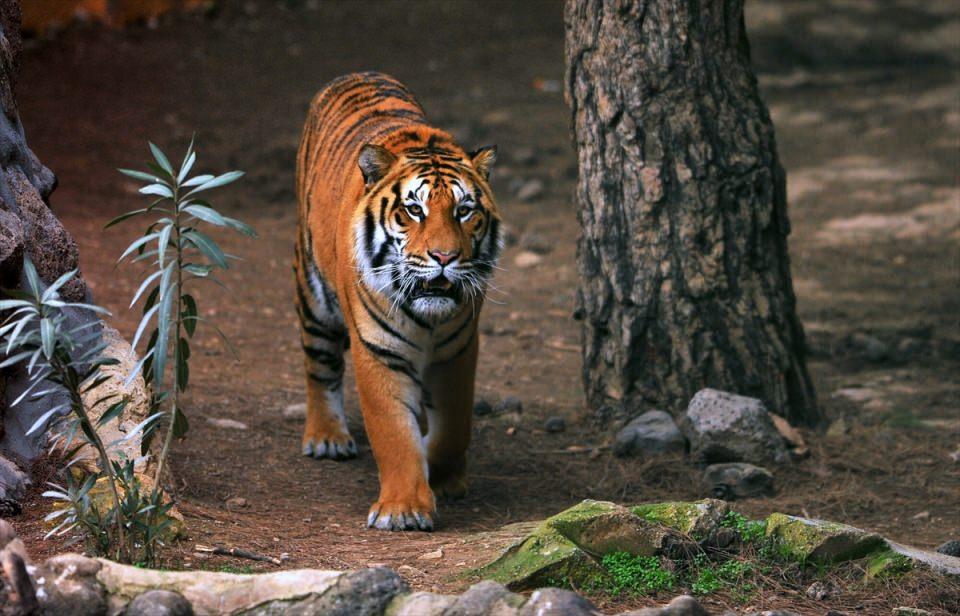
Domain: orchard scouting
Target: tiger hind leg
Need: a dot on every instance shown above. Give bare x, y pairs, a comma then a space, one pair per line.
324, 340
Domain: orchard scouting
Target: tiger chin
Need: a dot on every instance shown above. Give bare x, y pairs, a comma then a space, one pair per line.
398, 237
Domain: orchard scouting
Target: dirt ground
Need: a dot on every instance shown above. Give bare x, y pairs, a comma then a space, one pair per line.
866, 103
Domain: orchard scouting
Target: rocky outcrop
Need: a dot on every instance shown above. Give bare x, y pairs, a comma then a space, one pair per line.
724, 427
29, 227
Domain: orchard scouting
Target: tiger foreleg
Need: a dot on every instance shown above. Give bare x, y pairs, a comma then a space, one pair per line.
449, 417
389, 400
324, 338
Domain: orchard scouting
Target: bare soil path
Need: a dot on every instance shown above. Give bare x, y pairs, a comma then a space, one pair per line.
869, 139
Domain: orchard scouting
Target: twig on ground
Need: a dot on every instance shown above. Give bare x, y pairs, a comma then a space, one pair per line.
572, 449
236, 552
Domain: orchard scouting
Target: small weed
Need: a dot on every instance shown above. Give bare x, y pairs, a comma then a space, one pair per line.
732, 576
234, 569
637, 574
751, 531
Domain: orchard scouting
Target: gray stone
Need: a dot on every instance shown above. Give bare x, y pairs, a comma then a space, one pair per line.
684, 605
557, 602
530, 190
524, 155
733, 480
724, 427
654, 432
536, 243
819, 541
13, 481
159, 603
485, 598
870, 347
68, 585
555, 424
482, 408
421, 604
510, 404
937, 561
819, 591
950, 548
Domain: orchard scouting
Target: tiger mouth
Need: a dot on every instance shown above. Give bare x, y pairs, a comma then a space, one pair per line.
435, 287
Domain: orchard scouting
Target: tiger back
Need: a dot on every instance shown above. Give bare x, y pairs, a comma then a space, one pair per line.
398, 236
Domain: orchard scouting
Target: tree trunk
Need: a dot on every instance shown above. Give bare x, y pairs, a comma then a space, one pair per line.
684, 274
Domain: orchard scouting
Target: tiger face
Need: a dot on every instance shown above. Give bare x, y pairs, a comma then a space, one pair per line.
428, 234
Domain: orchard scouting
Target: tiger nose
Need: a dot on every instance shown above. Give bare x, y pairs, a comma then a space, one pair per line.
442, 257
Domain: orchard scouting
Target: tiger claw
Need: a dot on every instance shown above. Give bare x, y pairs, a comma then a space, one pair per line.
414, 520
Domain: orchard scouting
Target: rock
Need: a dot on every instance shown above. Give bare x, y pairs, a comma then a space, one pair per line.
819, 591
433, 555
524, 155
68, 585
486, 597
870, 347
653, 432
818, 541
857, 394
937, 561
510, 404
237, 502
698, 519
295, 411
557, 602
838, 429
421, 604
530, 190
910, 611
684, 605
159, 603
555, 424
735, 480
13, 481
227, 424
482, 408
536, 243
599, 528
525, 259
950, 548
724, 427
111, 391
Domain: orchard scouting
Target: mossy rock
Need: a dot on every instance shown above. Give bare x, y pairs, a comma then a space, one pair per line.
818, 541
544, 558
696, 519
887, 563
600, 528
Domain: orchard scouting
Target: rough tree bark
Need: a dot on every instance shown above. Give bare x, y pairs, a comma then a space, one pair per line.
684, 274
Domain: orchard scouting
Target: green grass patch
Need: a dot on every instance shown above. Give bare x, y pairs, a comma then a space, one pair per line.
751, 531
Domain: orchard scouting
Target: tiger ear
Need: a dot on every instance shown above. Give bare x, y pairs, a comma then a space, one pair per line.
375, 161
483, 159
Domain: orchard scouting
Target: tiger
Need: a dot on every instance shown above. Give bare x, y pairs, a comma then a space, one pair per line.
398, 236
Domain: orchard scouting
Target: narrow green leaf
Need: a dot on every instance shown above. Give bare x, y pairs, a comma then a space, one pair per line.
206, 214
208, 247
161, 159
220, 180
161, 190
47, 331
180, 424
140, 175
189, 313
197, 180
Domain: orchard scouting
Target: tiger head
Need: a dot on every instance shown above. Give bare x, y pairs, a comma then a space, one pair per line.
427, 233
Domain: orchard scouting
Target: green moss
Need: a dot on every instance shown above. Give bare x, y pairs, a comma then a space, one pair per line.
887, 563
696, 519
543, 557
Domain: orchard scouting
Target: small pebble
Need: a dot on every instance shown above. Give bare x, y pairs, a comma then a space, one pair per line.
295, 411
531, 190
555, 424
819, 591
527, 259
510, 404
230, 424
237, 502
482, 408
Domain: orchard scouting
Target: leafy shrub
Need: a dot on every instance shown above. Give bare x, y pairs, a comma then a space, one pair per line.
750, 531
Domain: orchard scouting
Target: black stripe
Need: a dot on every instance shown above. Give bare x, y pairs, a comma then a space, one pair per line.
457, 332
381, 322
392, 360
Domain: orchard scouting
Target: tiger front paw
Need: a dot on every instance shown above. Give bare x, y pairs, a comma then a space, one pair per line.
450, 487
400, 516
333, 446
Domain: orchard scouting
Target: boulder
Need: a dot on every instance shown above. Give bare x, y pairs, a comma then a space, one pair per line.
818, 541
159, 603
421, 604
652, 433
697, 519
724, 427
734, 480
486, 598
937, 561
950, 548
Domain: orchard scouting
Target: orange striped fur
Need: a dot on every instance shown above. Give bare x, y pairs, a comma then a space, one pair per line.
398, 236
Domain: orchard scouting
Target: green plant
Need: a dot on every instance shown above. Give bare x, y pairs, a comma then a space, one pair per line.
179, 255
37, 334
637, 574
734, 576
750, 531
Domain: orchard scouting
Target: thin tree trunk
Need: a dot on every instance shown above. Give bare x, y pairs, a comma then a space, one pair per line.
684, 274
